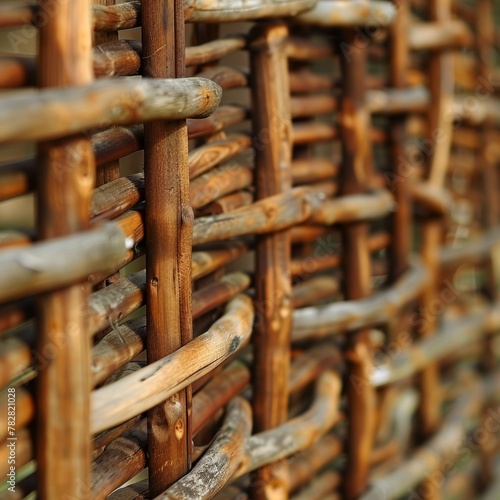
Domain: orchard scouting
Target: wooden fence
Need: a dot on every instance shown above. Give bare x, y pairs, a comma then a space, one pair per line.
313, 231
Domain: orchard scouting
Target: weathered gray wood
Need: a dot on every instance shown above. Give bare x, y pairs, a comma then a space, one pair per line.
60, 261
220, 461
450, 339
296, 434
335, 318
340, 13
221, 11
104, 103
122, 400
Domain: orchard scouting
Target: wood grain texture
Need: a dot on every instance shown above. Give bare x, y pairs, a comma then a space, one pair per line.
105, 103
271, 341
146, 387
242, 10
57, 263
65, 182
354, 178
340, 13
169, 217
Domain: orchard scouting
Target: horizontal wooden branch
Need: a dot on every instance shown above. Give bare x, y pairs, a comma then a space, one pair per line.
214, 50
104, 103
474, 251
109, 305
436, 199
59, 262
105, 18
122, 400
363, 13
116, 17
332, 319
305, 49
15, 356
125, 454
128, 340
354, 207
220, 11
314, 290
439, 35
17, 178
407, 100
321, 487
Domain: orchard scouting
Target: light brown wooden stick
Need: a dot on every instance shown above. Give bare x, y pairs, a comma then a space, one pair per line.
319, 321
58, 263
362, 13
239, 10
146, 387
105, 103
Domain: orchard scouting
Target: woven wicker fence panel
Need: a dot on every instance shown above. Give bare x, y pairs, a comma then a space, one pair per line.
265, 256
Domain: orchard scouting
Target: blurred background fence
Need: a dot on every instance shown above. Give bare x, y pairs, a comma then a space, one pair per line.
249, 249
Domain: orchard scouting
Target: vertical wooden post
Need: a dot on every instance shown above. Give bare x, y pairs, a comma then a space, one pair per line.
66, 180
356, 263
169, 226
399, 248
440, 133
486, 164
272, 141
485, 41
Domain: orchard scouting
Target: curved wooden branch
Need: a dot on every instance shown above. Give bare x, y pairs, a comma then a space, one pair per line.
125, 454
105, 102
320, 321
474, 251
60, 261
220, 461
126, 341
451, 338
340, 13
281, 211
297, 434
219, 11
122, 400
